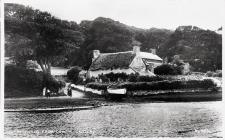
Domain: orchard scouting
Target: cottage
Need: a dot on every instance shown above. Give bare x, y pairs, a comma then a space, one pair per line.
128, 62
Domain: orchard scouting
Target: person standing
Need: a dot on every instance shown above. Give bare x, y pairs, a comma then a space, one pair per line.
69, 91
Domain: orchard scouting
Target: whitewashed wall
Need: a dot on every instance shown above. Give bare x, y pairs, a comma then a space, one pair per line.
137, 64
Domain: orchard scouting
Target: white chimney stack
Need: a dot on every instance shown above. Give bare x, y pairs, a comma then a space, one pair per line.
153, 51
136, 50
96, 53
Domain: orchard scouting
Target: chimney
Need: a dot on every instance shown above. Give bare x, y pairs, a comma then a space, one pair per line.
153, 51
136, 50
96, 53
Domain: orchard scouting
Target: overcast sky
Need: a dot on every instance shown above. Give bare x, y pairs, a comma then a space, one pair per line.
207, 14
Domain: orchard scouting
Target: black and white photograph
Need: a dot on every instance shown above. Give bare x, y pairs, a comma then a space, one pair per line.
112, 68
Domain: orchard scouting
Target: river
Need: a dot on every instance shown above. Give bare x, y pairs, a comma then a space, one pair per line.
184, 119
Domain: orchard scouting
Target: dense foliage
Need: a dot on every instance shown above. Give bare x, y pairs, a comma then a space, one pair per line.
168, 85
115, 77
53, 84
22, 82
73, 74
201, 48
167, 69
36, 35
158, 85
98, 86
33, 34
218, 73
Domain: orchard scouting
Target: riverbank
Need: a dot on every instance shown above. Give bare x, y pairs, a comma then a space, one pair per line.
162, 95
49, 103
61, 104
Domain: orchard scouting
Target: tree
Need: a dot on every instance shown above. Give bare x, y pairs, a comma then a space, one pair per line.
36, 35
106, 35
201, 48
73, 73
167, 69
39, 36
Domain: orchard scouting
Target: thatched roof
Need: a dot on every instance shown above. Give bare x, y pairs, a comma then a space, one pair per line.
150, 56
121, 60
107, 61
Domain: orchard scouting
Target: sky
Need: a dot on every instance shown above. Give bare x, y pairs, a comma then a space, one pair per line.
169, 14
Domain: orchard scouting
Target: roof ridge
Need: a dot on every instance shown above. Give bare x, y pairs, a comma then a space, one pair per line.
148, 52
115, 53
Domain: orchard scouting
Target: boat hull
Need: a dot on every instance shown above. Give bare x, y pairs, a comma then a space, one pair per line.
117, 91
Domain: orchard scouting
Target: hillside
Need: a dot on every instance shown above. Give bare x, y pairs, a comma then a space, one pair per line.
201, 48
107, 35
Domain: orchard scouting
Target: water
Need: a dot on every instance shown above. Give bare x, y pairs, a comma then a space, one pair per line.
123, 120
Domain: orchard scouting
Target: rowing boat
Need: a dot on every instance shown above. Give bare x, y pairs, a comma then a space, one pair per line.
117, 91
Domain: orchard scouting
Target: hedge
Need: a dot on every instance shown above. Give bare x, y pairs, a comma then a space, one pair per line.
149, 78
217, 73
98, 86
158, 85
129, 77
167, 69
168, 85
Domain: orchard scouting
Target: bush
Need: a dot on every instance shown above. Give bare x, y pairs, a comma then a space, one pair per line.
20, 82
80, 81
53, 84
104, 78
158, 85
209, 73
73, 74
167, 85
149, 78
98, 86
167, 69
31, 64
114, 76
218, 73
131, 77
89, 80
